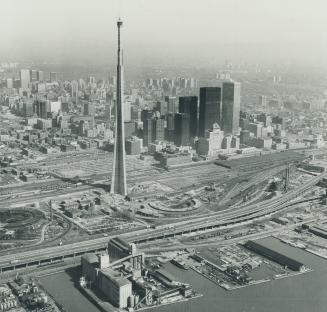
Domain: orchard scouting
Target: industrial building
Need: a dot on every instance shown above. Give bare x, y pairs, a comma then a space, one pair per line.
118, 289
319, 231
109, 282
119, 248
274, 255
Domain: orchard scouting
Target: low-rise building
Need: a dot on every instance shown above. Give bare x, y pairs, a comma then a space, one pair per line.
133, 146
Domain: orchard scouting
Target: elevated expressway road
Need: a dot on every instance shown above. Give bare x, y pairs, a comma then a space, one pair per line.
226, 218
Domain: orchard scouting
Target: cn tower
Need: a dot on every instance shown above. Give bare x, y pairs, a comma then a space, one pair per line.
118, 181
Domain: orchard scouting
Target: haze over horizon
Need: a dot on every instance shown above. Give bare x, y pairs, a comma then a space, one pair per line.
165, 32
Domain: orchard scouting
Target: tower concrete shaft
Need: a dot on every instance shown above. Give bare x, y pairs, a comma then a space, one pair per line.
118, 181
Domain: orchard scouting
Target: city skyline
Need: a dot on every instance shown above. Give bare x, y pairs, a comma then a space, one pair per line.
213, 30
174, 184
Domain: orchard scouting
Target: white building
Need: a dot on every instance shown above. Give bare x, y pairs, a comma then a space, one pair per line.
211, 144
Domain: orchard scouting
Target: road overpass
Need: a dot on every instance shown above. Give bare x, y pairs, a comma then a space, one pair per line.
229, 217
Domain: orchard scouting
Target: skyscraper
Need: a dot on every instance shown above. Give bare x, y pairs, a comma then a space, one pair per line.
148, 136
231, 101
10, 83
53, 77
170, 127
41, 108
171, 104
159, 129
40, 75
210, 108
146, 114
25, 78
262, 100
89, 109
189, 105
118, 181
127, 111
161, 107
182, 129
153, 130
33, 75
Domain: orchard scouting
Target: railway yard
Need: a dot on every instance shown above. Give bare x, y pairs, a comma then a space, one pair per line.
158, 197
202, 207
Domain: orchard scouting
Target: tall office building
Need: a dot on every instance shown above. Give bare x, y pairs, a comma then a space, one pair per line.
53, 77
40, 75
170, 127
171, 104
231, 101
210, 108
159, 129
27, 108
41, 108
262, 100
91, 80
74, 88
33, 75
10, 83
153, 130
118, 181
89, 109
127, 111
148, 131
182, 129
108, 112
25, 78
161, 107
146, 114
189, 105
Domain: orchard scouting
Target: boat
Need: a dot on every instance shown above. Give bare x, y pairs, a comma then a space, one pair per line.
180, 264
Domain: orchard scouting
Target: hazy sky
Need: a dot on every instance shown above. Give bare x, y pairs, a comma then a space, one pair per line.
165, 31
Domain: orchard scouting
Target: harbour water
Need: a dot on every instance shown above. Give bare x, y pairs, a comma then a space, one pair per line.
62, 287
302, 293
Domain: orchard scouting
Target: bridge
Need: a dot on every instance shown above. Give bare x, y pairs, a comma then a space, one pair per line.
228, 217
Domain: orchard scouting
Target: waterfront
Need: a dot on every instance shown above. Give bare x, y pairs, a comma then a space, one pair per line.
62, 288
301, 293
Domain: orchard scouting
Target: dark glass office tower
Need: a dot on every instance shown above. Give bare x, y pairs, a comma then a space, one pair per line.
171, 104
153, 130
210, 108
231, 101
182, 129
148, 135
189, 105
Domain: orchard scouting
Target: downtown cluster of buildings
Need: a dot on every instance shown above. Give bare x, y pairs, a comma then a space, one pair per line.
171, 118
168, 118
207, 123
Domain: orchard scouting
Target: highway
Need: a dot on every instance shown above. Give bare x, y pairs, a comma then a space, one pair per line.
225, 218
223, 242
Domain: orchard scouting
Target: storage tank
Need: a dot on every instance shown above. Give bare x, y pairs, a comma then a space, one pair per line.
131, 301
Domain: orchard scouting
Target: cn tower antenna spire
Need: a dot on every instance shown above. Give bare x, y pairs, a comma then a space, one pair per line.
118, 181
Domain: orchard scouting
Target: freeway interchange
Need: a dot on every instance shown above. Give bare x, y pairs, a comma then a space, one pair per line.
228, 218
